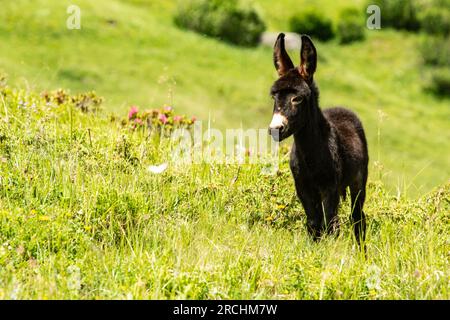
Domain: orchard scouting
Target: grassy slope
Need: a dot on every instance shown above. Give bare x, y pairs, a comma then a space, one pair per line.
145, 60
81, 217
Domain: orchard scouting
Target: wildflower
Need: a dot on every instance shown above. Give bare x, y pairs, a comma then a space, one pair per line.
20, 250
154, 113
194, 118
168, 108
138, 121
132, 113
22, 104
177, 118
163, 118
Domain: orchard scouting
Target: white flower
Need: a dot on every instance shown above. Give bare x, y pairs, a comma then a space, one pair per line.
158, 169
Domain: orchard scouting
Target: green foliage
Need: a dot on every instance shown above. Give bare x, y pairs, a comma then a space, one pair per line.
225, 20
163, 119
436, 51
436, 20
312, 22
398, 14
86, 102
440, 82
351, 26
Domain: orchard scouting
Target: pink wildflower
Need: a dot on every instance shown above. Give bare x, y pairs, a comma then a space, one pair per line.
138, 121
132, 113
194, 118
177, 118
154, 113
163, 118
168, 108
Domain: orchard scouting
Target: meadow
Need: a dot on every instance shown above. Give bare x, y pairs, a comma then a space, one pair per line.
81, 216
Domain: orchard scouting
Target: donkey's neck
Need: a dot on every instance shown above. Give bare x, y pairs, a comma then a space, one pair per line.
311, 141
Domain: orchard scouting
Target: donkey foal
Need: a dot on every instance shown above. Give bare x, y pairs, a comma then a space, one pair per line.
329, 152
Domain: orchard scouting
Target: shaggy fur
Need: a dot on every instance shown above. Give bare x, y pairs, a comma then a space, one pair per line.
329, 152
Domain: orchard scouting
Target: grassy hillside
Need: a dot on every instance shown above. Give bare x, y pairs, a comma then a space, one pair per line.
81, 217
131, 53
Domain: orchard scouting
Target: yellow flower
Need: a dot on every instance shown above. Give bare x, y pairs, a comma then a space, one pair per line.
44, 218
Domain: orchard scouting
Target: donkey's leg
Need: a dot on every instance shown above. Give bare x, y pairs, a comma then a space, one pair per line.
329, 210
358, 218
311, 204
309, 197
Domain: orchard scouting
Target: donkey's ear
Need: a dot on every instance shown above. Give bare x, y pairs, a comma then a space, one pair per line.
281, 59
308, 59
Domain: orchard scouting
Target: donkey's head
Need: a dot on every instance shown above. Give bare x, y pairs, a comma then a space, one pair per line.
292, 92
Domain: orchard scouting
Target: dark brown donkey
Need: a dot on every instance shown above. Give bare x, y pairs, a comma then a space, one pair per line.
329, 152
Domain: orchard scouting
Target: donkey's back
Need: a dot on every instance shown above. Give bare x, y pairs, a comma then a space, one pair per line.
352, 146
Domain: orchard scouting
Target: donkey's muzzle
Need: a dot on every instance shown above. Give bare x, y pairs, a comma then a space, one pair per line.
278, 126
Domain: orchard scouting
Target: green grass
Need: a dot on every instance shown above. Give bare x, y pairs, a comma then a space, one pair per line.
144, 59
82, 218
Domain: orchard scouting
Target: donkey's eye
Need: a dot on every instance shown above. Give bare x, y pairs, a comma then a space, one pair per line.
296, 100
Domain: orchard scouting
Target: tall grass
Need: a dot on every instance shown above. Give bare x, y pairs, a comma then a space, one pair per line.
131, 52
82, 218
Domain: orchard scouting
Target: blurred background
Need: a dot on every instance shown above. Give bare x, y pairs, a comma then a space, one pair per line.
206, 58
